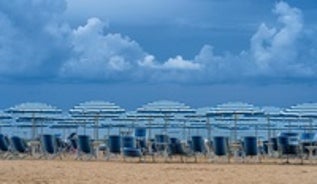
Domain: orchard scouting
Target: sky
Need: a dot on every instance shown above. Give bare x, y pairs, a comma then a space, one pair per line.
200, 52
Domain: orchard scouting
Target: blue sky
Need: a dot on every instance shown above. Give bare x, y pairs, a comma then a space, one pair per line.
199, 52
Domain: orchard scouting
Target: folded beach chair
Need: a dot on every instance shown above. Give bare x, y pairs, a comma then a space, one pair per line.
20, 148
85, 148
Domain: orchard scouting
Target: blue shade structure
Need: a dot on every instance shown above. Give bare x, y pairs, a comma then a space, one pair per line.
34, 113
96, 111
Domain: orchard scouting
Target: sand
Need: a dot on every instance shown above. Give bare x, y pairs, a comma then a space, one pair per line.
70, 171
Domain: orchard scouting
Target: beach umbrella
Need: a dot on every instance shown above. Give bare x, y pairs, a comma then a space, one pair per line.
236, 111
147, 117
34, 112
5, 120
301, 111
166, 108
98, 111
271, 113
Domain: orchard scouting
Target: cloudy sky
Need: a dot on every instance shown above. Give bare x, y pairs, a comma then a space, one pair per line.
201, 52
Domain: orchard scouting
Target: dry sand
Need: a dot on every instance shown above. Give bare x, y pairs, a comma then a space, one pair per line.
68, 172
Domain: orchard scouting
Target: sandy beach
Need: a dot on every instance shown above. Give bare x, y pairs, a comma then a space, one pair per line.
69, 172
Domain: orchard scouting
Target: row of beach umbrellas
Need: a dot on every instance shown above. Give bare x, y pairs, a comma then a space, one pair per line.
94, 112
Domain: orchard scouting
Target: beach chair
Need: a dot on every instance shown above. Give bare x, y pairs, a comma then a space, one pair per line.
161, 143
288, 146
177, 148
49, 147
250, 148
4, 146
20, 148
198, 146
129, 148
221, 148
140, 135
307, 144
114, 146
85, 148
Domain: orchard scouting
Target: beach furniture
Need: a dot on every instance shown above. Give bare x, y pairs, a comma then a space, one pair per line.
307, 143
250, 148
161, 143
129, 148
85, 147
4, 146
177, 148
140, 135
49, 146
20, 148
198, 146
221, 147
288, 145
114, 146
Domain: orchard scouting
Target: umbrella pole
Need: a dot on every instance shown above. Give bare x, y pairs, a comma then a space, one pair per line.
208, 129
184, 129
150, 128
235, 128
33, 127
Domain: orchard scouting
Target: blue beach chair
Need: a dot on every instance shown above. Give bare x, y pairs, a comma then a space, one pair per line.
220, 147
129, 148
20, 148
4, 146
198, 146
114, 146
250, 148
85, 148
49, 146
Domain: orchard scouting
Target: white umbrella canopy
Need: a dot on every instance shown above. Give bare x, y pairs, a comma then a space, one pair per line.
93, 108
33, 107
235, 108
302, 112
5, 120
308, 109
97, 110
235, 111
33, 112
166, 108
